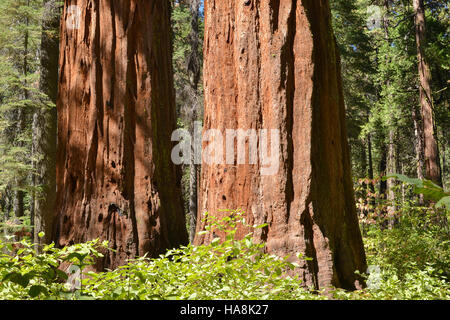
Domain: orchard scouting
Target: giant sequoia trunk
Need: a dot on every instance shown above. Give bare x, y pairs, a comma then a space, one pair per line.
274, 65
116, 113
431, 152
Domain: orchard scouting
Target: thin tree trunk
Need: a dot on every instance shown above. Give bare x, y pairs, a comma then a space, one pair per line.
418, 143
370, 171
382, 167
193, 197
45, 126
444, 165
365, 186
363, 160
9, 200
116, 115
194, 78
392, 168
19, 205
370, 167
19, 194
388, 152
431, 152
391, 155
274, 65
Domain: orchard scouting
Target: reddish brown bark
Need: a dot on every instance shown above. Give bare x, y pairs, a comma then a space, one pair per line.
431, 152
116, 113
274, 65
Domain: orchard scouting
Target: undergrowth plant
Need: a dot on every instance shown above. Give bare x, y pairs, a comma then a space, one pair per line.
409, 261
29, 272
226, 268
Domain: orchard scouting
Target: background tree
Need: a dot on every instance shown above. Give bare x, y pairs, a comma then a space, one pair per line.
389, 121
19, 98
45, 125
432, 162
188, 30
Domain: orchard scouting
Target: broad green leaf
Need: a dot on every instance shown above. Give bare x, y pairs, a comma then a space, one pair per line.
444, 202
37, 290
61, 274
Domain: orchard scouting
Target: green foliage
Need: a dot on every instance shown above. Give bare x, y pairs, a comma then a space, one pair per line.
181, 27
225, 269
20, 97
409, 261
430, 190
358, 67
26, 274
380, 80
412, 260
415, 285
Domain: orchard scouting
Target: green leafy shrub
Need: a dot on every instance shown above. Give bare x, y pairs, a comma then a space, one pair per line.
411, 255
430, 190
26, 274
413, 244
228, 269
409, 261
414, 285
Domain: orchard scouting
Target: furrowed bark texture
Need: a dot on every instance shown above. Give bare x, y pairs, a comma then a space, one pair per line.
431, 151
116, 113
274, 65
